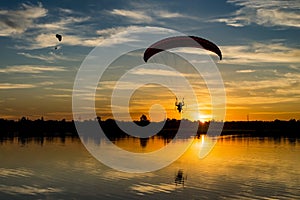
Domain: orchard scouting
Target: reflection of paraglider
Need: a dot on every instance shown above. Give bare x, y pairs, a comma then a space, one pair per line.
179, 105
179, 178
181, 41
59, 37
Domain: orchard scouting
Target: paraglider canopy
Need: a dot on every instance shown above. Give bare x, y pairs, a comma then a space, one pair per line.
181, 41
59, 37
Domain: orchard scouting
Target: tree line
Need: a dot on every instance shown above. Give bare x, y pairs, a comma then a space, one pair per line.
26, 127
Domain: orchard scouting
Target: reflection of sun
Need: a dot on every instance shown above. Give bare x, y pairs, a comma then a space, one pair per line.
202, 140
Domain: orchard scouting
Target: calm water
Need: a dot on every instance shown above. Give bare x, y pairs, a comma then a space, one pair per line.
237, 168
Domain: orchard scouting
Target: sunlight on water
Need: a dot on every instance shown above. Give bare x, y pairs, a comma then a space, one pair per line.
237, 168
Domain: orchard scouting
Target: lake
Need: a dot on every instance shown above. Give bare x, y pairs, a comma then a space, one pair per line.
237, 168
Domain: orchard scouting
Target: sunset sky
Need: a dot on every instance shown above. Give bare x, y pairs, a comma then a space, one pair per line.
259, 41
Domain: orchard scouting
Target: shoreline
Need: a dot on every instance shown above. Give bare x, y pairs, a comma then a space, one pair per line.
54, 128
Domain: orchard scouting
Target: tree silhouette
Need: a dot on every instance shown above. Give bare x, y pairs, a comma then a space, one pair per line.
143, 118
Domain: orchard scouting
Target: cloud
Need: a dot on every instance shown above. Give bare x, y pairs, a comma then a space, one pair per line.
39, 57
111, 31
134, 16
167, 14
258, 84
70, 38
249, 101
50, 57
32, 33
48, 40
147, 15
273, 89
161, 72
63, 24
4, 86
45, 83
65, 10
60, 95
260, 53
245, 71
123, 85
33, 69
266, 13
124, 35
16, 22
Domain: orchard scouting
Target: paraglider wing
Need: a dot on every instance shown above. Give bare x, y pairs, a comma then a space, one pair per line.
181, 41
59, 37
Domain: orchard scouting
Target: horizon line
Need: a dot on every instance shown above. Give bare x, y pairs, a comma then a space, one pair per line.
168, 119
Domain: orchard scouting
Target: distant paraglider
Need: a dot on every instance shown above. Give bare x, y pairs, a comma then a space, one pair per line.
59, 38
181, 41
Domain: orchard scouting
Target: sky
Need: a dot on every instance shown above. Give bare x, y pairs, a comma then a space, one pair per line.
259, 41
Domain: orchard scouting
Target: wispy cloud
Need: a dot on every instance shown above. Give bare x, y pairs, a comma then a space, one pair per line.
279, 89
111, 31
50, 57
13, 22
260, 53
161, 72
266, 13
39, 57
60, 95
62, 24
4, 86
33, 69
65, 10
32, 33
147, 15
124, 36
123, 85
44, 40
168, 14
245, 71
257, 84
134, 16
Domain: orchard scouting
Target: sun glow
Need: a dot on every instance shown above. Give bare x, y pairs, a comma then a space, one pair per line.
197, 116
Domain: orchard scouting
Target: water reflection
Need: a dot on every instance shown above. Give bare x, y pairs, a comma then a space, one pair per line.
36, 140
18, 172
28, 190
237, 168
180, 178
150, 189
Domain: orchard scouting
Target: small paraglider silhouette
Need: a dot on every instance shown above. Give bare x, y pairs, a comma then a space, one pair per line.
59, 37
179, 105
